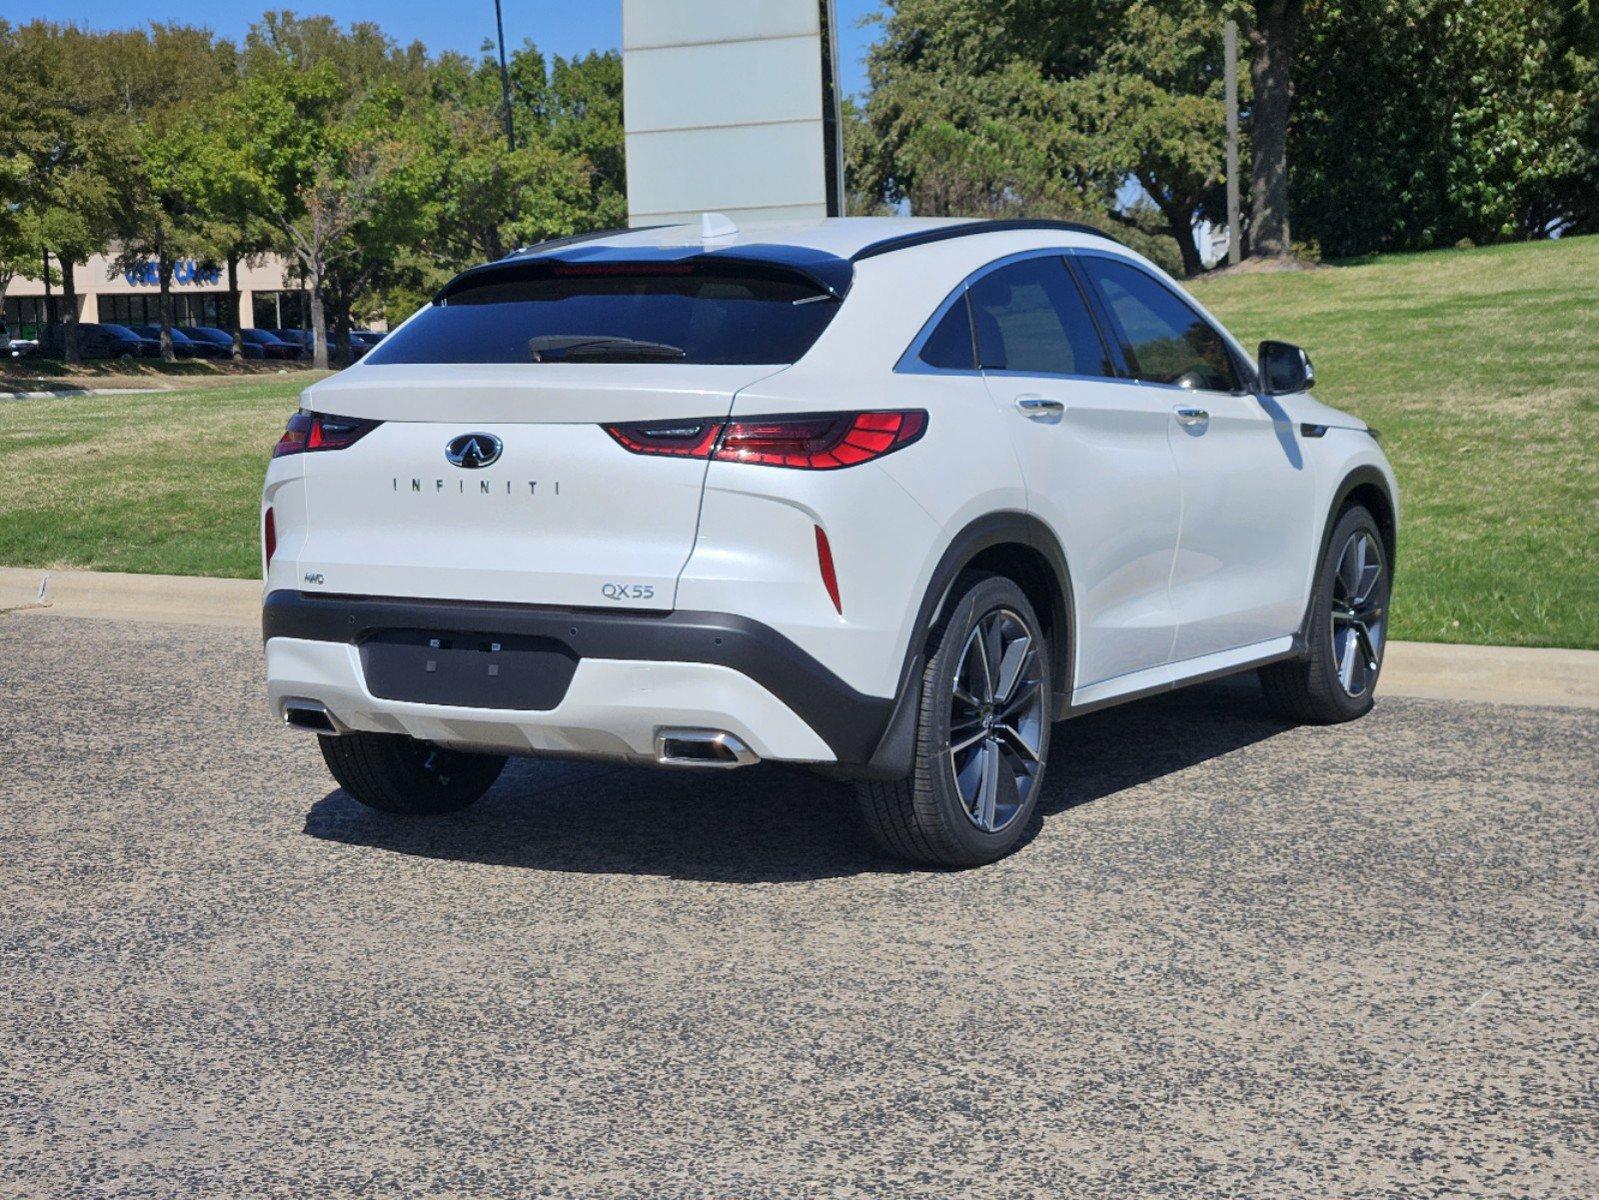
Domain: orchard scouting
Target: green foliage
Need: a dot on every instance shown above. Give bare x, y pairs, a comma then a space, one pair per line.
374, 169
1422, 122
1046, 109
68, 147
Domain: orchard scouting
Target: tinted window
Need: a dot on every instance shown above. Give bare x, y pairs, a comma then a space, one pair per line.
711, 316
949, 346
1166, 341
1030, 317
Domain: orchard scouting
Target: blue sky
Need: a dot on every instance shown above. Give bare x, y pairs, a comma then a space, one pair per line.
556, 26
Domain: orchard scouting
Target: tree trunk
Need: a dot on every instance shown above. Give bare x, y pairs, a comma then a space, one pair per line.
341, 334
233, 308
1179, 216
163, 268
1275, 31
319, 325
69, 298
43, 327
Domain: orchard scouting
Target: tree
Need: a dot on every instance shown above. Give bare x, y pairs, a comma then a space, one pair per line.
309, 133
579, 113
16, 255
1047, 109
70, 151
1273, 35
1422, 122
1153, 107
488, 201
161, 79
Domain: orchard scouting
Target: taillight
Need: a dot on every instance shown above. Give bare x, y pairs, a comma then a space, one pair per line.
812, 442
269, 535
321, 431
679, 439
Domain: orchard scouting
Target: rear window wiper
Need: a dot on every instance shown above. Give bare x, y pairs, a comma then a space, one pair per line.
570, 347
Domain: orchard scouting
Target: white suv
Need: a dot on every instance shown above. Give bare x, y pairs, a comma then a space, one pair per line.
888, 497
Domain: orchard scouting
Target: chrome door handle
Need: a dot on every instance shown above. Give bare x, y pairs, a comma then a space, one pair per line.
1191, 416
1040, 406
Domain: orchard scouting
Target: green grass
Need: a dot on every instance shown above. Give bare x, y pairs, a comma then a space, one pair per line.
167, 483
1481, 368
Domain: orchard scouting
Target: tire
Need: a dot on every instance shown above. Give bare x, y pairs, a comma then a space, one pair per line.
401, 775
966, 805
1347, 628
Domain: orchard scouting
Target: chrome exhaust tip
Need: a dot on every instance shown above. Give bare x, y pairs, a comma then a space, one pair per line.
702, 748
312, 715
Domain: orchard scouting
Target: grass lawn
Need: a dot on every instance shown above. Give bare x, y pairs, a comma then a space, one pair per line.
1480, 367
167, 482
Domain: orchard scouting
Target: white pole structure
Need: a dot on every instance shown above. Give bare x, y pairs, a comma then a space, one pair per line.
731, 106
1235, 238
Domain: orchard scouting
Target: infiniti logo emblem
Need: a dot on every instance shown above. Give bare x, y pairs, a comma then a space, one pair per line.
473, 451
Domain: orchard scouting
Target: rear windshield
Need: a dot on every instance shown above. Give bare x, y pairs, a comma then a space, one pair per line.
619, 313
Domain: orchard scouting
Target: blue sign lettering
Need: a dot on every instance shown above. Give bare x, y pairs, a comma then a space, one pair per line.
184, 271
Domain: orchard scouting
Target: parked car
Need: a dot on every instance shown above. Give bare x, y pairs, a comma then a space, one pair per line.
360, 341
271, 345
97, 341
222, 338
887, 497
182, 344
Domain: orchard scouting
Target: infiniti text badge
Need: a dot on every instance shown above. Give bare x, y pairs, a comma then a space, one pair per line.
474, 451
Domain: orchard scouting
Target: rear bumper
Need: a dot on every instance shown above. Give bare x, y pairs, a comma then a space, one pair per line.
636, 673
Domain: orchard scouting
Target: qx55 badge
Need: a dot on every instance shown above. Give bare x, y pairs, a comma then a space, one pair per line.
474, 451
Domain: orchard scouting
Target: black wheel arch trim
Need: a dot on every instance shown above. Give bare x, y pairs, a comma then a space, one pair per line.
896, 751
1365, 476
850, 722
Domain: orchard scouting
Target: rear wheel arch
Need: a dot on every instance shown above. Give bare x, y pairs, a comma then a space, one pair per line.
1020, 547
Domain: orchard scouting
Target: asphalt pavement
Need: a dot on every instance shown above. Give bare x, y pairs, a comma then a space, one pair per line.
1236, 958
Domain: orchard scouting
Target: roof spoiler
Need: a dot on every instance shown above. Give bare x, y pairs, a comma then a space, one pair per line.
828, 272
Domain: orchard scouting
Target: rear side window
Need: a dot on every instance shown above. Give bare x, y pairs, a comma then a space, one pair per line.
949, 347
1030, 317
619, 313
1166, 341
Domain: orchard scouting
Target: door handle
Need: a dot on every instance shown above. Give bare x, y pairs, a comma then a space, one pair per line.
1190, 417
1040, 406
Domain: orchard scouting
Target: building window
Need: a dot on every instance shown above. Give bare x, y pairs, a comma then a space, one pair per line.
26, 315
188, 308
281, 310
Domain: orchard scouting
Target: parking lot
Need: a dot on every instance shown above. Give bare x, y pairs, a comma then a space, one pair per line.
1236, 959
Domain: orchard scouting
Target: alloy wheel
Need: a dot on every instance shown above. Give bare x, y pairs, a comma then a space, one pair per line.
1359, 613
997, 720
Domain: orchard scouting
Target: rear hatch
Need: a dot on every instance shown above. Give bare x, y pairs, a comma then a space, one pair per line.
565, 514
491, 475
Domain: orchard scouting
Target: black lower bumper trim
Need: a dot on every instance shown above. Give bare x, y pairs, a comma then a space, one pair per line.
852, 724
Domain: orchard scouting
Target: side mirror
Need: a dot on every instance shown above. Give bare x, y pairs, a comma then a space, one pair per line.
1285, 369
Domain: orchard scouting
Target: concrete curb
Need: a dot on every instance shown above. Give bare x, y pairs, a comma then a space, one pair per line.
1426, 670
183, 599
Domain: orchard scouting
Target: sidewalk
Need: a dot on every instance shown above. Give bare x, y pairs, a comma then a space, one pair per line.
1427, 670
